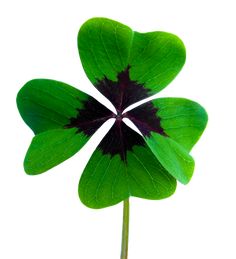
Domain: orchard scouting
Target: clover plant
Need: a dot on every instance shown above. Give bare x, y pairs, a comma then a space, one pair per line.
125, 66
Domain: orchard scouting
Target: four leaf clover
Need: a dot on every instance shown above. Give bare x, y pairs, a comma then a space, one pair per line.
126, 67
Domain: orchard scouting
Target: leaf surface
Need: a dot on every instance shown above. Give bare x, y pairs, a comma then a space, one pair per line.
180, 119
183, 120
108, 178
171, 127
155, 59
48, 104
173, 157
50, 148
109, 50
63, 119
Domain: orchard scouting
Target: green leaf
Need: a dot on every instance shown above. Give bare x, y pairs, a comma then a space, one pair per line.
104, 47
156, 58
107, 179
47, 104
62, 117
108, 47
173, 157
50, 148
182, 120
171, 127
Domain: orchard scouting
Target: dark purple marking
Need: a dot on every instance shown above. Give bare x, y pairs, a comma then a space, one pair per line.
124, 92
91, 117
146, 119
120, 137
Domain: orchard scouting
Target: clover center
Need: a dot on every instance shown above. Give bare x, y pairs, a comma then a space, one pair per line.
119, 116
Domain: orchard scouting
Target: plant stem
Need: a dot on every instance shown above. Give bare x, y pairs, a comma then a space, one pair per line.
125, 230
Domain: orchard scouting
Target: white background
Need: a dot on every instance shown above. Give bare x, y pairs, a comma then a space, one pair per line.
42, 216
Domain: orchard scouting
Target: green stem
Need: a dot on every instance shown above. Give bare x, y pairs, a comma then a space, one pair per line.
125, 230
